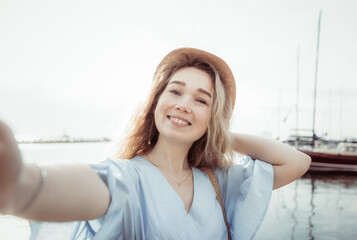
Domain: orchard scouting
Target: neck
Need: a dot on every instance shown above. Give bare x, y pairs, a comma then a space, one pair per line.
170, 156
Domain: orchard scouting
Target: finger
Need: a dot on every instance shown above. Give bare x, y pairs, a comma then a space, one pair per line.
6, 135
5, 131
9, 150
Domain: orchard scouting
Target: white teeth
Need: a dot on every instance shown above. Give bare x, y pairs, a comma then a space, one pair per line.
179, 121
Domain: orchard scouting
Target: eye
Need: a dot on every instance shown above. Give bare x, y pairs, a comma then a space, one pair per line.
174, 91
200, 100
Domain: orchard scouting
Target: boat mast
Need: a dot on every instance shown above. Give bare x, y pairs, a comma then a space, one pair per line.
314, 137
297, 93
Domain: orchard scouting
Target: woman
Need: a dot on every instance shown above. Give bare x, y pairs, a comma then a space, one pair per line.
163, 191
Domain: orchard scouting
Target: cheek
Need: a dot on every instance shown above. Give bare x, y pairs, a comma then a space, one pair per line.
161, 107
204, 117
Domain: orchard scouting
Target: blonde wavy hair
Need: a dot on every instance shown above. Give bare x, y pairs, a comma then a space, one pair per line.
213, 149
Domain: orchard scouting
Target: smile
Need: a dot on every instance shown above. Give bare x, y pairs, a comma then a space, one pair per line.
179, 121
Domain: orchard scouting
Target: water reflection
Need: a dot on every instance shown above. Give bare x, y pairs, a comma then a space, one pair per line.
312, 178
293, 212
317, 206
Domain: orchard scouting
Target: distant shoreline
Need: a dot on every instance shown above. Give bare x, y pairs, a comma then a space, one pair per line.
64, 141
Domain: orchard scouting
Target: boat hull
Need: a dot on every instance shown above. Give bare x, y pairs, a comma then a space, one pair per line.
327, 162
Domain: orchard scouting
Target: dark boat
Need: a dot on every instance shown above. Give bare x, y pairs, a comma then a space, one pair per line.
327, 155
343, 158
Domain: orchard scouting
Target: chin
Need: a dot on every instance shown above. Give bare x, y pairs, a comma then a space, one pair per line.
179, 140
177, 137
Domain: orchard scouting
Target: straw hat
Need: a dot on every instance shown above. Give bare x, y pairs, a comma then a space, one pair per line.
221, 66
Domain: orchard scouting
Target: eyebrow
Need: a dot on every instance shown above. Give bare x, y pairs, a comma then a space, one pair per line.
201, 90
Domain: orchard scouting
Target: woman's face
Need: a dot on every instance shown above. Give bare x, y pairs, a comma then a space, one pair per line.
183, 111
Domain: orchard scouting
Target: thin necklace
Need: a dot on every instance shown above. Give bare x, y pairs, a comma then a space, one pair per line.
180, 183
177, 183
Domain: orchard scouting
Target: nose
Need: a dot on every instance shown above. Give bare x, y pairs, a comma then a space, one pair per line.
183, 107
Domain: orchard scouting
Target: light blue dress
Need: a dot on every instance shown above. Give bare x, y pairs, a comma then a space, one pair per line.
145, 206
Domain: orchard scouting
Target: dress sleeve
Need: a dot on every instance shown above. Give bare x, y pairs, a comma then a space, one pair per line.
120, 179
246, 191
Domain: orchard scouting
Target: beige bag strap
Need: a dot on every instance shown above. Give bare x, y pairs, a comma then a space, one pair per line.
214, 182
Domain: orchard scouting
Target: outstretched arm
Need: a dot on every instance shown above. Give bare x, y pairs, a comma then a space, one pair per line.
69, 191
288, 163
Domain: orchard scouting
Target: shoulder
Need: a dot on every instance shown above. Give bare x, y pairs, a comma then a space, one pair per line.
244, 174
237, 172
123, 169
244, 167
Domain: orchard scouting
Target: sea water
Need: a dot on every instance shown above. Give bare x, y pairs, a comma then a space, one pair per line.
316, 206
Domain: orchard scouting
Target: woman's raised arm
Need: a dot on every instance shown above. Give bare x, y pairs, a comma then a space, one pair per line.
68, 192
288, 163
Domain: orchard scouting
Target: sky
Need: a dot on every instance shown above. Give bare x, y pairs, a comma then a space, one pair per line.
82, 67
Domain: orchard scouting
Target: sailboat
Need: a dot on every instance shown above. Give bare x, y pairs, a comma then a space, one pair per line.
326, 155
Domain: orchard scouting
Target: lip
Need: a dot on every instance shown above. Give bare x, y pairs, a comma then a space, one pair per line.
181, 118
